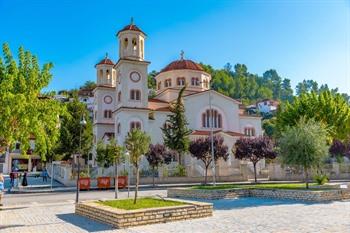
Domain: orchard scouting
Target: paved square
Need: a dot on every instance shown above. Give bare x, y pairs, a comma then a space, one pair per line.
243, 215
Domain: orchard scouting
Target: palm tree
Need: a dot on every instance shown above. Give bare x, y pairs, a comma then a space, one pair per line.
137, 143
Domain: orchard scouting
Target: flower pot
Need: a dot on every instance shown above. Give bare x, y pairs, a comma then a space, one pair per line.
122, 181
84, 183
104, 182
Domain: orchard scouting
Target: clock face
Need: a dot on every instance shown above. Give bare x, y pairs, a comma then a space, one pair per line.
135, 77
108, 99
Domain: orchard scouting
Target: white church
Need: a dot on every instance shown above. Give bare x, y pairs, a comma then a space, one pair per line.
122, 102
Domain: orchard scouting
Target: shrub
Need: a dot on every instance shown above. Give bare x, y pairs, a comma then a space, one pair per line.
179, 171
321, 179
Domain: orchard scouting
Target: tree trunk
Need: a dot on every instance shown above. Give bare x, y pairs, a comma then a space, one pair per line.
154, 174
206, 175
255, 179
137, 183
180, 158
116, 177
306, 173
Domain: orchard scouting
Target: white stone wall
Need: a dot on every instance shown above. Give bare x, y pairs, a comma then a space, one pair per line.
125, 84
196, 104
250, 121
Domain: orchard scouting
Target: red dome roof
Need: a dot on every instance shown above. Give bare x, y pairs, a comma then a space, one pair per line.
131, 27
182, 65
105, 61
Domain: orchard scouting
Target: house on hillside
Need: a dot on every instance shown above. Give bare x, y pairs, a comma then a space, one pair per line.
267, 106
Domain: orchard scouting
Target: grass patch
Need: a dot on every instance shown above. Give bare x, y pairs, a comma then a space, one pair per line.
298, 186
142, 203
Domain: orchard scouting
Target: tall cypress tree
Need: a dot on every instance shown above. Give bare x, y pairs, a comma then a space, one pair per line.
175, 131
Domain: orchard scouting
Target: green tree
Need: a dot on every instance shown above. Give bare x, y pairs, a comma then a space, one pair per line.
175, 132
69, 140
332, 110
276, 82
110, 154
88, 85
24, 112
137, 143
304, 146
269, 126
287, 91
151, 80
306, 86
115, 154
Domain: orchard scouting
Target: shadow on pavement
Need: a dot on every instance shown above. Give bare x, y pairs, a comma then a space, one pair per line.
2, 227
12, 208
84, 223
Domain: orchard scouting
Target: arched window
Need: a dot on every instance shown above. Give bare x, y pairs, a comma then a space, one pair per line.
119, 96
206, 83
118, 128
142, 48
135, 125
135, 94
107, 73
159, 85
134, 43
108, 114
206, 119
181, 81
167, 83
126, 42
195, 81
249, 131
101, 73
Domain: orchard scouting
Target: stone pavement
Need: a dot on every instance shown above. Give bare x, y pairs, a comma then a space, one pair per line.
242, 215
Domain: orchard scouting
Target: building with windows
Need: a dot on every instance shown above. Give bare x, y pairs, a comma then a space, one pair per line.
121, 101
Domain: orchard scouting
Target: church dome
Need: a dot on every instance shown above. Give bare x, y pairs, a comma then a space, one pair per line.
105, 61
182, 64
131, 27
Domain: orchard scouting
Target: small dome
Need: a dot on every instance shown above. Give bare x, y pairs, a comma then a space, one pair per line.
182, 64
105, 61
131, 27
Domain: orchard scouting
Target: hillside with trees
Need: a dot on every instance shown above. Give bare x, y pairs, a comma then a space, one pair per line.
237, 82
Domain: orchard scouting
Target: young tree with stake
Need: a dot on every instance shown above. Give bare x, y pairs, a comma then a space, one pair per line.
137, 143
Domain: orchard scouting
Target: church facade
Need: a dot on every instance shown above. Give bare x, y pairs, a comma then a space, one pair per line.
121, 101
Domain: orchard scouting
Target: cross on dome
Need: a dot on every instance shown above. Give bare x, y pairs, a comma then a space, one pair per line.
182, 53
132, 21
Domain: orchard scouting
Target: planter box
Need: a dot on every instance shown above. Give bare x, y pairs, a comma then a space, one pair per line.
84, 183
122, 182
128, 218
302, 195
104, 182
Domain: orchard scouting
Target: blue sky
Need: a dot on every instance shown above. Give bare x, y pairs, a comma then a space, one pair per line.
300, 39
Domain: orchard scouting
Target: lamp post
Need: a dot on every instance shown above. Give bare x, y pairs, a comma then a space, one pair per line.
212, 138
82, 123
211, 135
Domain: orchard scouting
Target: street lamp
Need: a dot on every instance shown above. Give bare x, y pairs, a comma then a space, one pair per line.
212, 138
211, 135
82, 123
